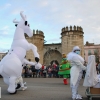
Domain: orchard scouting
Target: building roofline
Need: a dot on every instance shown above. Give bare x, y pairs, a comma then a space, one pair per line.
52, 44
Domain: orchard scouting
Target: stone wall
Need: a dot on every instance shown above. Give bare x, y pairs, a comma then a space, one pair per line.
72, 36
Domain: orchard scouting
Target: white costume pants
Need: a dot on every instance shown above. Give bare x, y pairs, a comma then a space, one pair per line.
20, 81
74, 88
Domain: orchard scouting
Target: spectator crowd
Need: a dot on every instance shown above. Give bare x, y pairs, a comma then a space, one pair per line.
46, 71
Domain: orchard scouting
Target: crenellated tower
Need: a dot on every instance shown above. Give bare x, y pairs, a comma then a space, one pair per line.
38, 41
72, 36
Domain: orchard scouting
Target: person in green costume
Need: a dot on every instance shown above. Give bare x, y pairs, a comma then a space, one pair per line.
64, 69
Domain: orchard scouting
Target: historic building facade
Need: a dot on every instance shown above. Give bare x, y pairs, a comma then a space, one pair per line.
91, 48
70, 37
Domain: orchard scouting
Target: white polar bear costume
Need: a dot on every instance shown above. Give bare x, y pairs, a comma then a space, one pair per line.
77, 66
11, 64
91, 77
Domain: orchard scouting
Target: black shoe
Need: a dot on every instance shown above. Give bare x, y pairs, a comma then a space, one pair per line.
18, 86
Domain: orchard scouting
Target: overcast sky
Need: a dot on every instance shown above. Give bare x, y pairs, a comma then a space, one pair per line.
50, 16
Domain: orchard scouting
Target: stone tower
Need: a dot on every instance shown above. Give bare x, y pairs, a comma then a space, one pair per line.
70, 37
38, 41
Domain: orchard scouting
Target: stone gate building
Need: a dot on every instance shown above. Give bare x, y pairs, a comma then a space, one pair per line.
70, 37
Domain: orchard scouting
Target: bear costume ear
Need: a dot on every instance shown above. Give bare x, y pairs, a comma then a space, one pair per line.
16, 25
25, 22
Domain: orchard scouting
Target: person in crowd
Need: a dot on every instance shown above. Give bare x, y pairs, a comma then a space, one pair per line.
97, 64
29, 72
99, 68
56, 71
44, 71
38, 73
25, 71
33, 70
92, 79
84, 72
64, 69
49, 71
77, 66
54, 65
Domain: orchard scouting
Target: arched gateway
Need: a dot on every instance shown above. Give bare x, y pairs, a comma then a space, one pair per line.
52, 55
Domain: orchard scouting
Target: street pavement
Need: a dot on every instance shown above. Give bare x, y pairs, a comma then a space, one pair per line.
42, 89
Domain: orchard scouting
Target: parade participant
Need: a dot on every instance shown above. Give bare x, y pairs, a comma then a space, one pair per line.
11, 64
91, 77
77, 65
64, 69
19, 81
19, 84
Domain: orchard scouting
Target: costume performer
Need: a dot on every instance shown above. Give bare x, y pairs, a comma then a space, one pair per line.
64, 69
91, 77
77, 66
11, 64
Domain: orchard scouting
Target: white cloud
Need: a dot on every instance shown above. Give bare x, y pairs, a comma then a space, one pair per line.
96, 28
44, 3
5, 6
3, 43
4, 30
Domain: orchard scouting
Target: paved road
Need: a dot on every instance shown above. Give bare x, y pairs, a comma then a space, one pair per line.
42, 89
